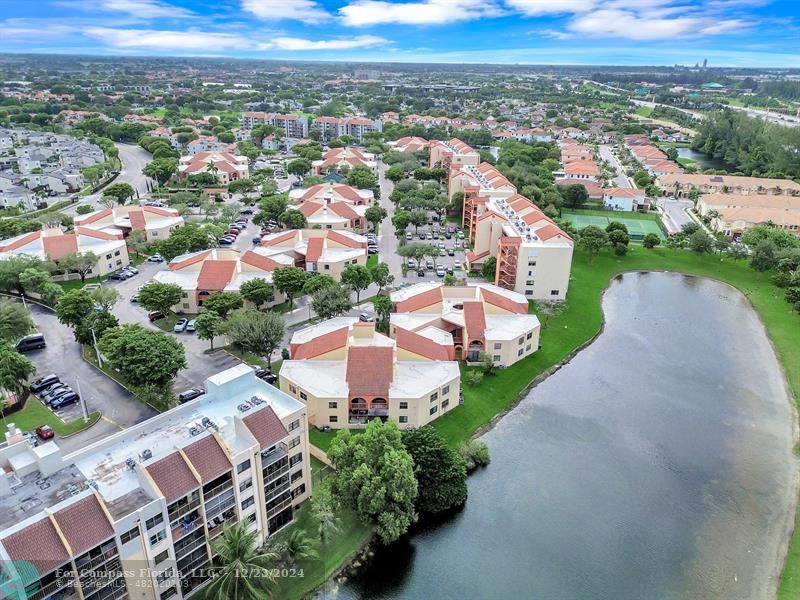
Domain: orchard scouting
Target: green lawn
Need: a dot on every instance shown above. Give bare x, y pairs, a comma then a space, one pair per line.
352, 536
685, 162
372, 260
644, 111
35, 413
76, 284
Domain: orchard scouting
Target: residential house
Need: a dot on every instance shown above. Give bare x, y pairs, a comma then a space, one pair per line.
156, 223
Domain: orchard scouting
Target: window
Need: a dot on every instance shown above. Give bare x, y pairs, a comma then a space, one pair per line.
333, 419
129, 536
528, 348
498, 346
108, 256
292, 389
185, 305
119, 262
403, 405
296, 459
185, 295
169, 593
355, 261
251, 518
531, 262
445, 404
303, 396
529, 336
496, 358
529, 292
434, 396
162, 557
299, 490
434, 410
521, 352
332, 404
327, 267
243, 466
554, 292
116, 253
155, 234
248, 502
521, 341
294, 442
164, 575
297, 475
403, 419
530, 282
155, 539
245, 485
150, 523
294, 425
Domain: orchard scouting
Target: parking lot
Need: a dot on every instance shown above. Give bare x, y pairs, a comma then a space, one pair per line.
451, 253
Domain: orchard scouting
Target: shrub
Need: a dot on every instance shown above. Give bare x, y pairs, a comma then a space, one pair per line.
473, 377
475, 454
84, 209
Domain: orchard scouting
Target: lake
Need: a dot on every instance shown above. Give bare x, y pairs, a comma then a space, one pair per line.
704, 161
657, 464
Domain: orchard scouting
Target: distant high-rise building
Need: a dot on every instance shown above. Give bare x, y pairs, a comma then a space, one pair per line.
705, 63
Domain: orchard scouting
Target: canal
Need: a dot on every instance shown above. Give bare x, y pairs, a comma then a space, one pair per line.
657, 464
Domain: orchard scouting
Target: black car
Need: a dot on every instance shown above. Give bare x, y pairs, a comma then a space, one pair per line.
56, 396
118, 276
225, 241
44, 382
190, 394
65, 400
421, 273
372, 250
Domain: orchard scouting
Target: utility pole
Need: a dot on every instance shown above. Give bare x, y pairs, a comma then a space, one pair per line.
96, 349
82, 400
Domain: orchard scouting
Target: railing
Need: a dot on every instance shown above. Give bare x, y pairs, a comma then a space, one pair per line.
220, 489
279, 507
279, 452
182, 510
97, 560
180, 530
51, 588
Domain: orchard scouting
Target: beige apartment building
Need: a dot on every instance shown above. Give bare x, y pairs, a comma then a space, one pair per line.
347, 374
200, 274
156, 223
134, 515
466, 321
338, 158
733, 214
452, 154
534, 256
226, 167
326, 251
333, 206
682, 184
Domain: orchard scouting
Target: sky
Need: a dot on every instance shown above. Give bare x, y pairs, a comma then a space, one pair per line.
744, 33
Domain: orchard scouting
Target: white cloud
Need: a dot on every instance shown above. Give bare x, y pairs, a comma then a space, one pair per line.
292, 43
363, 13
169, 40
550, 7
144, 9
307, 11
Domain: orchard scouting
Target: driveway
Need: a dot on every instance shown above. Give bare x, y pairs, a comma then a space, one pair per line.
675, 215
621, 180
63, 357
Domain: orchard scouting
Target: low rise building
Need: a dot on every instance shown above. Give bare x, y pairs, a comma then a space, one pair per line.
200, 274
733, 214
326, 251
54, 244
156, 223
452, 154
333, 206
682, 185
347, 374
409, 144
225, 166
466, 321
627, 199
336, 158
135, 513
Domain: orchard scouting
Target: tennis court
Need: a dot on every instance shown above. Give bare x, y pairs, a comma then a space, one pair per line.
638, 225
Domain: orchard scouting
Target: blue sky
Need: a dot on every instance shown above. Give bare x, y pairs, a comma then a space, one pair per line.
756, 33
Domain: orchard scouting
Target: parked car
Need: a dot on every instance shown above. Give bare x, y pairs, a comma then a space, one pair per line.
52, 390
442, 252
226, 241
451, 252
191, 326
412, 264
135, 298
190, 394
366, 318
52, 386
44, 382
256, 240
440, 271
267, 375
372, 250
131, 269
65, 400
155, 315
421, 273
155, 258
34, 341
180, 325
51, 397
45, 432
119, 276
429, 264
449, 270
409, 236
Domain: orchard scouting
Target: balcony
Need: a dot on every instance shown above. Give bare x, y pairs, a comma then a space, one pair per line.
178, 511
218, 490
273, 455
51, 588
85, 564
182, 529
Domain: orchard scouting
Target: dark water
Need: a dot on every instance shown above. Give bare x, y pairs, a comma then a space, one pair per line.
657, 464
704, 161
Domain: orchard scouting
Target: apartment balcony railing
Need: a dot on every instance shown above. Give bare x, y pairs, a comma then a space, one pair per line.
279, 452
220, 489
181, 530
271, 512
177, 513
53, 587
87, 564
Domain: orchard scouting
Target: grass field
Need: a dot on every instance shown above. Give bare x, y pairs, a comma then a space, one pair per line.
638, 224
644, 111
35, 413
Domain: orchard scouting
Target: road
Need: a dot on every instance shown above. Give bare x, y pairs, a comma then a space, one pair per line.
675, 215
621, 180
63, 358
778, 118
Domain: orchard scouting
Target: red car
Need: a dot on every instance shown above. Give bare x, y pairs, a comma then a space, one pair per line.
45, 432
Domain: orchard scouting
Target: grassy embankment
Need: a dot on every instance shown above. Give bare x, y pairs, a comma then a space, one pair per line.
580, 318
35, 413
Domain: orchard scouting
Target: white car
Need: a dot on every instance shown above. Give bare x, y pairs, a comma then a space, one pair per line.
155, 258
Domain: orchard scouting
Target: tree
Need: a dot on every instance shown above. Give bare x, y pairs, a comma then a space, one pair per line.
316, 282
81, 263
208, 325
74, 307
12, 268
701, 242
473, 377
223, 302
161, 169
250, 330
160, 296
299, 166
293, 219
106, 297
380, 275
362, 178
121, 192
475, 454
323, 511
401, 220
331, 301
358, 277
418, 217
94, 326
14, 368
617, 237
241, 570
15, 320
50, 293
136, 241
271, 209
258, 291
651, 240
374, 215
763, 257
374, 475
592, 239
383, 307
440, 471
298, 546
143, 356
395, 173
616, 226
290, 281
34, 280
575, 195
489, 268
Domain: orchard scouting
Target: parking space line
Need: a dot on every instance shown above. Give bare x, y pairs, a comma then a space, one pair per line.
114, 423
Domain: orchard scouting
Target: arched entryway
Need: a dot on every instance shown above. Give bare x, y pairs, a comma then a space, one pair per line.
358, 411
379, 409
474, 351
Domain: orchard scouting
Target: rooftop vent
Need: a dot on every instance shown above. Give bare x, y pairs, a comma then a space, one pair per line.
147, 454
244, 407
131, 463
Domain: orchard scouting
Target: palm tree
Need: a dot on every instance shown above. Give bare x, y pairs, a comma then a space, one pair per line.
243, 572
298, 546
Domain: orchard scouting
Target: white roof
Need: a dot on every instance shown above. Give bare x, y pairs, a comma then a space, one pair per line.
414, 379
508, 327
413, 290
186, 278
314, 331
321, 378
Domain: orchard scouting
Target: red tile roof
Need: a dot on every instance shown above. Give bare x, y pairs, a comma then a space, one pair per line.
344, 210
98, 234
420, 301
172, 476
418, 344
551, 231
59, 246
215, 275
266, 427
137, 219
84, 524
370, 370
262, 262
309, 208
38, 544
344, 240
8, 245
208, 458
474, 320
164, 212
175, 266
320, 345
504, 302
314, 250
94, 217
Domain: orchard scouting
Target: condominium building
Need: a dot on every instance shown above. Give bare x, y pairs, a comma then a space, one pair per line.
200, 274
733, 214
289, 126
681, 185
347, 374
134, 515
225, 166
325, 251
54, 244
356, 127
452, 154
337, 158
409, 144
333, 206
156, 223
466, 320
